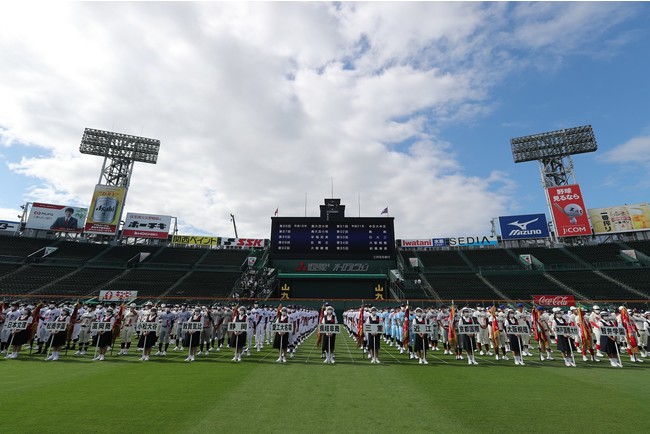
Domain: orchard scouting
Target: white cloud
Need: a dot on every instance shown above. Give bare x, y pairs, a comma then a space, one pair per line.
258, 104
634, 151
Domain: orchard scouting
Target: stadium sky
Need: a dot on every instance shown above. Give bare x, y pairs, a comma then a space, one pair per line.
261, 106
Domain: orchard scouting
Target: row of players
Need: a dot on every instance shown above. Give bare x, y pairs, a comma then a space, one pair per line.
492, 332
168, 325
152, 326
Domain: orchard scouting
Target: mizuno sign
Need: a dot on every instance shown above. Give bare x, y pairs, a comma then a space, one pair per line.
523, 226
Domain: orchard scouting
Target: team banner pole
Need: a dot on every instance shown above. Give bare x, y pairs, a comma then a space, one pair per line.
189, 349
49, 347
618, 354
97, 345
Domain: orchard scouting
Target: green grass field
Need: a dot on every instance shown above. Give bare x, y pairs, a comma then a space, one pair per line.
123, 394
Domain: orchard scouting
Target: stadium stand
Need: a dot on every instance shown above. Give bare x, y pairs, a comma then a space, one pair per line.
592, 286
21, 247
173, 255
460, 286
148, 283
86, 282
524, 286
638, 279
600, 254
443, 258
125, 253
77, 251
205, 284
641, 246
224, 258
29, 278
547, 256
482, 258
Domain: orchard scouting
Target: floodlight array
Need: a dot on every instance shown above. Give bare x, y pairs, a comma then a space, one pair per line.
553, 144
119, 146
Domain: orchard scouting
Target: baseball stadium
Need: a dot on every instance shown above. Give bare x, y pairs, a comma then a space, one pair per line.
332, 323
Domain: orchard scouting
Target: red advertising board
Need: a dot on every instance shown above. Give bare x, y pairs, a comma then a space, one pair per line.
569, 212
554, 300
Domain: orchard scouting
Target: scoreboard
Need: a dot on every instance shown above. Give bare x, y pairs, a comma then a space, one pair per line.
316, 238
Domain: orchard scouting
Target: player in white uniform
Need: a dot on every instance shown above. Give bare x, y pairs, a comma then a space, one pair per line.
85, 322
483, 336
128, 327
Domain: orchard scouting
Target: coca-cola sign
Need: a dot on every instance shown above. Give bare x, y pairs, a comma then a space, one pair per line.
554, 300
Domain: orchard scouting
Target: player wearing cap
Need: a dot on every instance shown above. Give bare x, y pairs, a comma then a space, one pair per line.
483, 336
85, 322
514, 339
329, 339
166, 320
468, 339
374, 339
564, 343
192, 338
640, 323
10, 314
281, 339
609, 344
19, 338
130, 317
59, 337
594, 320
105, 337
238, 339
524, 318
148, 337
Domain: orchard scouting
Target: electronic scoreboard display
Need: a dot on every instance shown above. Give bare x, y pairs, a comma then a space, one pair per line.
348, 237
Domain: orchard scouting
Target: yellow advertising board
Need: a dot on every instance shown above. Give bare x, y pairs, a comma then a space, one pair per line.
105, 210
623, 218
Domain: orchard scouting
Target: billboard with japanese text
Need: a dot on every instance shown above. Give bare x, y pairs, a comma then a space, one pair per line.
519, 227
623, 218
105, 210
60, 218
568, 211
196, 240
146, 226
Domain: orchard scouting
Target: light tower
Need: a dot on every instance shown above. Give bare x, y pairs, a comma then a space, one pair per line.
553, 152
120, 152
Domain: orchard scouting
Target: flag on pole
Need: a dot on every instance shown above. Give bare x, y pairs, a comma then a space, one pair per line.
385, 211
585, 333
36, 316
319, 337
452, 329
117, 325
495, 328
360, 327
407, 326
234, 312
538, 332
276, 211
73, 318
630, 332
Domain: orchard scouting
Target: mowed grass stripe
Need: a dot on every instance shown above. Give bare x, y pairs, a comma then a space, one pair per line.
353, 395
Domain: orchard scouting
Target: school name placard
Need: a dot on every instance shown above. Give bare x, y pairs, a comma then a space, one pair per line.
329, 328
517, 330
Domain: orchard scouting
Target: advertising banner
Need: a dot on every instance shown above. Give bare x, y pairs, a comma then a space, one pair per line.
146, 226
473, 240
105, 210
62, 218
244, 243
617, 219
519, 227
568, 210
9, 228
425, 242
554, 300
121, 296
195, 240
